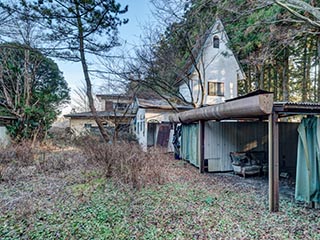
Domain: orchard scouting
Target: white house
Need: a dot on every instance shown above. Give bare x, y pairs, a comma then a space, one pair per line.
152, 125
147, 119
216, 69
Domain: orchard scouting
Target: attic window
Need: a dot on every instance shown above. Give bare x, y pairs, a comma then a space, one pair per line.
216, 89
216, 42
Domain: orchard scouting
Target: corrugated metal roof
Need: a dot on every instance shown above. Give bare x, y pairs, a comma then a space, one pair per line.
298, 103
160, 104
100, 114
297, 107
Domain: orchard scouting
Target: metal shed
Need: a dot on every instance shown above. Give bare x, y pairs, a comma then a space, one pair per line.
258, 105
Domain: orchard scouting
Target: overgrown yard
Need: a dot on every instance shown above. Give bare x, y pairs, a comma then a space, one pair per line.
63, 194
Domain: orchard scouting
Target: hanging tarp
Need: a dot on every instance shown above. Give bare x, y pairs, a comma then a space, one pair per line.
189, 143
308, 161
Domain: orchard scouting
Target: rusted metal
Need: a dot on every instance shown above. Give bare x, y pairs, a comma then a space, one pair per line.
254, 106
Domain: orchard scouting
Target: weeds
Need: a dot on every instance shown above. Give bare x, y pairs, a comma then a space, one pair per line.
125, 162
15, 160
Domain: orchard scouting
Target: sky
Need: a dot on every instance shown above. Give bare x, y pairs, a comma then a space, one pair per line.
139, 14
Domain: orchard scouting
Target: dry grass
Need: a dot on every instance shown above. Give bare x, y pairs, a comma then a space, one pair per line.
92, 194
126, 162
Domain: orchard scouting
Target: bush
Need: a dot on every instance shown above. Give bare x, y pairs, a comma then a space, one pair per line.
126, 162
15, 158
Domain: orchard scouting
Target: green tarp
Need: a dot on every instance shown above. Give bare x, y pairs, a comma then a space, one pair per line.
308, 161
189, 143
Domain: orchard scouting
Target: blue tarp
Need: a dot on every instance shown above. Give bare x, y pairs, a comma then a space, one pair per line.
308, 161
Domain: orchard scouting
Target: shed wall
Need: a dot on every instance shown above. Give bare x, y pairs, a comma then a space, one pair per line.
221, 138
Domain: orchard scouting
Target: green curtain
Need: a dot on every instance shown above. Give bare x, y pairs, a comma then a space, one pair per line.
189, 143
308, 161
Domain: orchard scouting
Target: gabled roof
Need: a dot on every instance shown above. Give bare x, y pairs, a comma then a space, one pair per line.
114, 96
201, 44
160, 104
102, 114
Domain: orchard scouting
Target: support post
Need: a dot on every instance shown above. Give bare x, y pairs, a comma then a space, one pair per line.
201, 146
273, 143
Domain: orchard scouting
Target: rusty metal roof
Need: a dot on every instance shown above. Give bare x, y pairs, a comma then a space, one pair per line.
296, 108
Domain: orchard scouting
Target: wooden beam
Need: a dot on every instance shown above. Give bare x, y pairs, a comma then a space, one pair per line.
201, 146
273, 162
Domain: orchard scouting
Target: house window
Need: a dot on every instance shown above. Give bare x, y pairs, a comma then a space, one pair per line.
87, 125
216, 42
215, 88
120, 106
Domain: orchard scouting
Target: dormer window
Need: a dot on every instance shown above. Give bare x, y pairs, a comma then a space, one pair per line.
216, 89
216, 42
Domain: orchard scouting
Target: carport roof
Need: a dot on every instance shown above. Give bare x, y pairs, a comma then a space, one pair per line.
296, 108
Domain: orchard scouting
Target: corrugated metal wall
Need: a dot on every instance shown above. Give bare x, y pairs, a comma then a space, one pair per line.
221, 138
288, 145
189, 143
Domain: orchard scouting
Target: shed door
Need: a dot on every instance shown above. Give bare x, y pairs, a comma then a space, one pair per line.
151, 134
163, 135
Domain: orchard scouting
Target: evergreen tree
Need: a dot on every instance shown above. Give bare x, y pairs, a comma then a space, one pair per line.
76, 29
32, 89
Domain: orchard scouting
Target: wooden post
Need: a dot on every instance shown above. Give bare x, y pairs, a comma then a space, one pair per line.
273, 162
201, 146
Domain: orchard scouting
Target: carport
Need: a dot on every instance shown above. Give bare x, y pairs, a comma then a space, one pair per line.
258, 105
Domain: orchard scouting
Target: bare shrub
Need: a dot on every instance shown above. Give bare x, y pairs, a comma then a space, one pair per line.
126, 162
21, 154
16, 160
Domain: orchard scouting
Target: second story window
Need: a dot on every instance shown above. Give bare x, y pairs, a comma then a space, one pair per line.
216, 42
216, 89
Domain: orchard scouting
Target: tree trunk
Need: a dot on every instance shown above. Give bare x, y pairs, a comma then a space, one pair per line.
249, 79
285, 76
275, 84
102, 130
27, 89
261, 77
304, 89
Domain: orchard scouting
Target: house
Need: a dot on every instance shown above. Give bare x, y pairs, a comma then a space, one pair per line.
114, 111
215, 70
147, 119
152, 125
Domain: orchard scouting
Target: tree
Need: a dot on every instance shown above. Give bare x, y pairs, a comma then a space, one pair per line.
302, 10
76, 29
31, 88
165, 60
